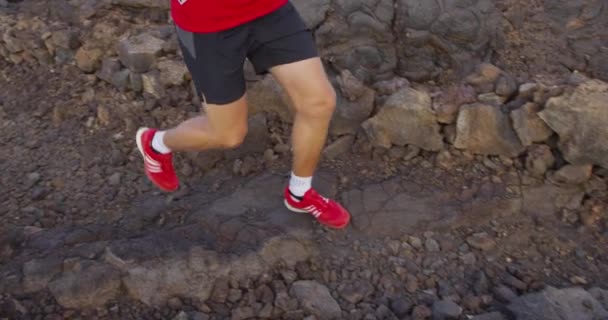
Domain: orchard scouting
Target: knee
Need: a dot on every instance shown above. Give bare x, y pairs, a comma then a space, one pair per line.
322, 104
234, 138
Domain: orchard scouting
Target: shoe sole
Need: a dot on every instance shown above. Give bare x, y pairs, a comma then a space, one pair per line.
296, 210
140, 133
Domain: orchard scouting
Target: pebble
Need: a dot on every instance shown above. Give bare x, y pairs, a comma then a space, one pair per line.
446, 309
175, 303
114, 179
504, 294
415, 242
421, 312
481, 241
431, 245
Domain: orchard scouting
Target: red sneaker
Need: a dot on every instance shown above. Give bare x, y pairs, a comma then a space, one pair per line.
326, 211
159, 167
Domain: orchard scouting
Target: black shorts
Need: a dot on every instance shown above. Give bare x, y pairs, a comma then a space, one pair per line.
216, 60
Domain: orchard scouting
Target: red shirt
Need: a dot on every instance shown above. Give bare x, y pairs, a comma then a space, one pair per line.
216, 15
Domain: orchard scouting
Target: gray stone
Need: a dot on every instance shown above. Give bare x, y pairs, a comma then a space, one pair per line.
109, 67
143, 3
484, 129
506, 86
504, 294
357, 291
431, 245
572, 174
339, 147
172, 73
601, 295
539, 159
242, 313
316, 299
91, 285
139, 52
447, 104
312, 11
120, 79
354, 104
529, 126
552, 303
88, 60
406, 118
490, 316
481, 241
66, 39
151, 84
446, 309
579, 118
37, 273
491, 98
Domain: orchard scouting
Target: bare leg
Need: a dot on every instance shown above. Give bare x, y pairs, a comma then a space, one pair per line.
222, 126
314, 100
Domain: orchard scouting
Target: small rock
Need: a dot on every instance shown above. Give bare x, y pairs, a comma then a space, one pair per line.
447, 104
485, 73
172, 73
316, 299
490, 316
88, 60
572, 174
578, 280
481, 241
472, 303
446, 309
421, 312
468, 258
415, 242
529, 126
357, 291
269, 156
504, 294
114, 179
406, 118
539, 160
411, 284
526, 90
242, 313
431, 245
505, 86
181, 316
136, 82
120, 79
388, 87
484, 129
65, 38
491, 99
411, 151
109, 67
515, 283
401, 307
175, 303
339, 147
138, 53
289, 276
152, 85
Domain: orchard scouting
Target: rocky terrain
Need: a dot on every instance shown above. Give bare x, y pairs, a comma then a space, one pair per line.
467, 144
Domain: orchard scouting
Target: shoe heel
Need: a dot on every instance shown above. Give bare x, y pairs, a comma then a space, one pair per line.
292, 209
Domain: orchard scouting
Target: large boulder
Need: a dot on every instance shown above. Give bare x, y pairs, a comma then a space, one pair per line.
580, 119
434, 35
358, 36
552, 303
90, 284
406, 118
484, 129
312, 11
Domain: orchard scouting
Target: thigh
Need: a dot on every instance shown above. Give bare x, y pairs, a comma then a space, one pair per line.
305, 81
215, 62
228, 118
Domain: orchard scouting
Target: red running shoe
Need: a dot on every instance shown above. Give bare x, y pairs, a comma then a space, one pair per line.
326, 211
158, 166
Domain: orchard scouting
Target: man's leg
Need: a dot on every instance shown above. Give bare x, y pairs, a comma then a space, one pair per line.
314, 100
221, 127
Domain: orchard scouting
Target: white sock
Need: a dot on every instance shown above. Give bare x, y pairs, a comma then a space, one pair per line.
299, 185
158, 144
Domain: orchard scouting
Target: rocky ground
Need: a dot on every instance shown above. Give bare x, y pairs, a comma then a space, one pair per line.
479, 199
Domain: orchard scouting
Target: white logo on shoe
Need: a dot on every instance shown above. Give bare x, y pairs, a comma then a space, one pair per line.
152, 165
